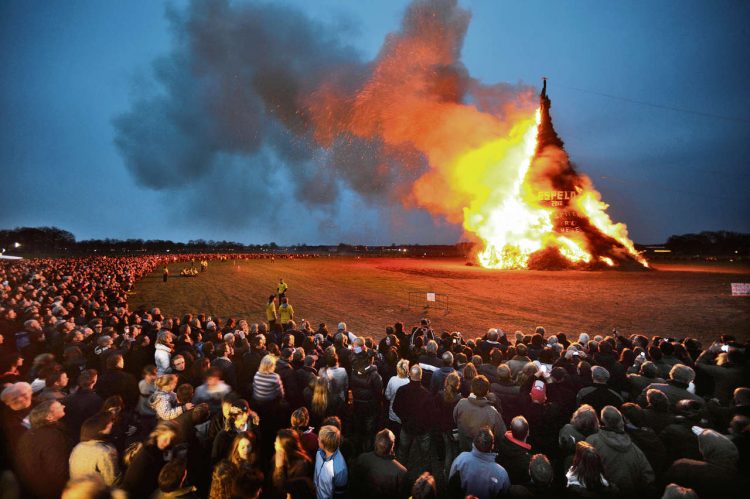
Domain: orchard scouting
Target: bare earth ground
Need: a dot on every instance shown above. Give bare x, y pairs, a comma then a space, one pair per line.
676, 300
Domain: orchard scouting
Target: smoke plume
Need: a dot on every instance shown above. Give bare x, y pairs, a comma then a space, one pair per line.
258, 110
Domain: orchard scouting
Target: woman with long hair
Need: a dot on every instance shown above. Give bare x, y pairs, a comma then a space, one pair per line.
469, 373
445, 401
236, 422
583, 423
319, 401
301, 424
585, 478
400, 379
290, 461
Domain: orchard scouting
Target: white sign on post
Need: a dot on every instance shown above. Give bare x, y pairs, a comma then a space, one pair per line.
430, 296
741, 289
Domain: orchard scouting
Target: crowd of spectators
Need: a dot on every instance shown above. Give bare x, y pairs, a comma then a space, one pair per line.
100, 401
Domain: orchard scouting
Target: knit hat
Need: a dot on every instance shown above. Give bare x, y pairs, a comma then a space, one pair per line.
538, 392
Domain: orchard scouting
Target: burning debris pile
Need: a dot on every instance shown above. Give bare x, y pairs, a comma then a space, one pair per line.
553, 218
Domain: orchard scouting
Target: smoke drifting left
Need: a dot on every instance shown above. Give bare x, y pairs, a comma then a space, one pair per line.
257, 105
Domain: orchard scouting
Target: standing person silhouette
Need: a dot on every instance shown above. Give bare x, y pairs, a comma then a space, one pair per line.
281, 289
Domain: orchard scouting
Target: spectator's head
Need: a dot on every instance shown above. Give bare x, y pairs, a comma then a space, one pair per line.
741, 397
480, 386
91, 486
267, 364
540, 470
484, 439
674, 491
56, 379
185, 393
612, 419
519, 428
166, 382
17, 396
243, 449
96, 427
583, 339
521, 350
470, 371
332, 421
503, 372
657, 400
87, 379
649, 369
633, 414
172, 475
424, 487
432, 347
115, 361
248, 484
492, 334
682, 374
689, 409
384, 442
587, 466
300, 418
585, 420
329, 439
447, 359
162, 436
599, 375
415, 373
452, 386
402, 368
288, 441
47, 412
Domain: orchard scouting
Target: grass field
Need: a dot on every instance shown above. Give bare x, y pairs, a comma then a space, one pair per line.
676, 300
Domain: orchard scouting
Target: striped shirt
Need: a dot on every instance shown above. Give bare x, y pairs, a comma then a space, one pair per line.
267, 386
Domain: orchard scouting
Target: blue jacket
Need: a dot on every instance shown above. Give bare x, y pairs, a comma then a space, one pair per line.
331, 475
479, 474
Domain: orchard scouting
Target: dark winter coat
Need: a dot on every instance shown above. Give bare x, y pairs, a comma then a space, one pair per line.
78, 408
624, 463
376, 477
413, 405
514, 456
42, 460
118, 382
142, 476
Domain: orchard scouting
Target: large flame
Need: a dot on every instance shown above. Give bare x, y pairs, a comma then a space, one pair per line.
511, 221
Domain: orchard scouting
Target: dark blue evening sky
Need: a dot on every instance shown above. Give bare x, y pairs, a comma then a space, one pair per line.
650, 97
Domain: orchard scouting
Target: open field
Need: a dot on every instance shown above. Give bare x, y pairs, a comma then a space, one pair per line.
676, 300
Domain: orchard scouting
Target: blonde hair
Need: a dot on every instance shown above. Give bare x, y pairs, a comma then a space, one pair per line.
319, 396
402, 368
330, 438
161, 429
166, 380
267, 364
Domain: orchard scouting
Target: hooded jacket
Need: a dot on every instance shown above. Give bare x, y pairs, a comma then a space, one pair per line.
162, 356
715, 475
624, 464
472, 413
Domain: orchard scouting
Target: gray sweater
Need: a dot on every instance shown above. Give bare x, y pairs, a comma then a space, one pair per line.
94, 456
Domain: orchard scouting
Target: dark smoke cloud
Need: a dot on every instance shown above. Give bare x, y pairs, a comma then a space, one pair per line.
226, 130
